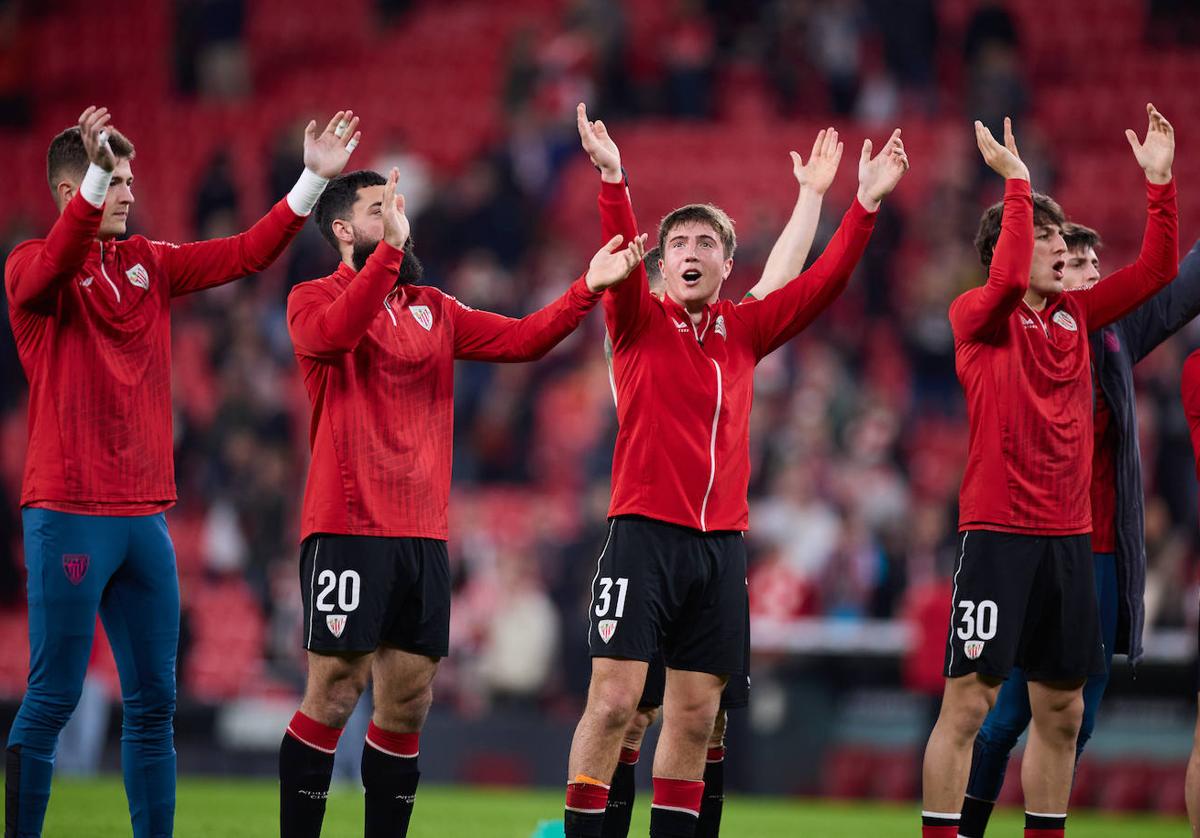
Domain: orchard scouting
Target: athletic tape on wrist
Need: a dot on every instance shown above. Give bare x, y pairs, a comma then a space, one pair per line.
305, 193
94, 186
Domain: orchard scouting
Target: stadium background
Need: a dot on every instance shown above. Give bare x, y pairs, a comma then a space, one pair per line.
858, 434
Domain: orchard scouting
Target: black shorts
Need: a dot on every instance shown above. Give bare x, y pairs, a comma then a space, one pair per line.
362, 591
662, 587
735, 695
1028, 601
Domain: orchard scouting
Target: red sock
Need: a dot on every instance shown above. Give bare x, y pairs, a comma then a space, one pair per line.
587, 798
716, 754
678, 795
629, 756
314, 734
406, 745
1045, 826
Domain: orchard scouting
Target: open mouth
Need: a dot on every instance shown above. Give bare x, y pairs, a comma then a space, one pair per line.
691, 277
1058, 269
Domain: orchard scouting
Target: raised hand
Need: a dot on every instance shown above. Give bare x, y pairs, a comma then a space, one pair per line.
817, 174
878, 175
327, 153
599, 145
395, 222
1157, 152
1004, 160
609, 266
93, 124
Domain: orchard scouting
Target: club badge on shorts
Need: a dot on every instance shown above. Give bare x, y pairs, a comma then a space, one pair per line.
973, 649
423, 316
606, 628
336, 623
75, 565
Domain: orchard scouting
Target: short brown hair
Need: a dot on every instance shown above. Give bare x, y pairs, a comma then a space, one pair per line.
709, 214
1046, 213
68, 157
1079, 237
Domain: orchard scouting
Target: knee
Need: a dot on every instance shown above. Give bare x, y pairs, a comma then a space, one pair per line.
332, 701
405, 713
612, 705
50, 709
638, 725
1062, 717
963, 717
693, 719
717, 739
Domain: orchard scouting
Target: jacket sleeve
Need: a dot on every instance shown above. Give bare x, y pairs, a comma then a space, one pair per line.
485, 336
781, 315
1114, 297
627, 304
1166, 312
35, 273
322, 327
207, 264
980, 312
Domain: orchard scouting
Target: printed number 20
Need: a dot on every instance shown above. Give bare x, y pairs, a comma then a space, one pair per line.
348, 586
604, 600
978, 622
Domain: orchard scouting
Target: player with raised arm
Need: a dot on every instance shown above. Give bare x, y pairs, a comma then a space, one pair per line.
91, 318
785, 261
1118, 521
377, 353
671, 576
1023, 591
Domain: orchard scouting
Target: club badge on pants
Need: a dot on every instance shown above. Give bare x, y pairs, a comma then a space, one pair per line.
75, 565
336, 624
607, 629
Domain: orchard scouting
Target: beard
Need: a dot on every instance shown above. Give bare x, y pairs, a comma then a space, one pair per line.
411, 269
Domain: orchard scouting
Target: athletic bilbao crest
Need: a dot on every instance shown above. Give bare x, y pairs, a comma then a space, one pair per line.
138, 276
720, 327
422, 315
336, 624
607, 629
75, 565
973, 648
1066, 321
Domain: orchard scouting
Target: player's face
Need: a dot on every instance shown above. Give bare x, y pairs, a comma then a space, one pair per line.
1083, 268
118, 201
366, 217
694, 264
1049, 260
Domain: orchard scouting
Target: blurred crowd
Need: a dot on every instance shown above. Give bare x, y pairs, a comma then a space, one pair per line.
858, 433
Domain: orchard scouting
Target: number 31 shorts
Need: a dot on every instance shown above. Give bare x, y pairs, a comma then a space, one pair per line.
361, 592
1027, 601
663, 587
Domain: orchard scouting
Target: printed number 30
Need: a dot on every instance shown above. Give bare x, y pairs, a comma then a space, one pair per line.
348, 586
978, 622
604, 600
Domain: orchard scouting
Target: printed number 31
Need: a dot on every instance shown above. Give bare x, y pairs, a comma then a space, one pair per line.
604, 599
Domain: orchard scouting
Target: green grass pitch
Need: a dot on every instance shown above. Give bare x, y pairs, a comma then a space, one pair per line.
248, 809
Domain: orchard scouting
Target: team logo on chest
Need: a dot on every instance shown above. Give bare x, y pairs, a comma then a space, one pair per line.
336, 623
719, 328
606, 628
423, 316
1065, 320
138, 276
75, 565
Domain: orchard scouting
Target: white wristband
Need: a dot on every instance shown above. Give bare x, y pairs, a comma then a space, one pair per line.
305, 193
94, 187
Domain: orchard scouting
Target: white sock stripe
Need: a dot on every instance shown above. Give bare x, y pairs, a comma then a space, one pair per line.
384, 750
693, 812
586, 811
946, 816
292, 732
1045, 815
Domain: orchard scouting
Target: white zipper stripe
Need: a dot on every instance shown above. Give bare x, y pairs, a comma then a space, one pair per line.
712, 452
954, 603
104, 273
388, 307
599, 559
